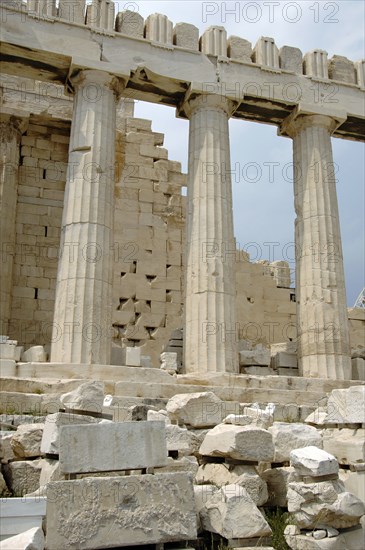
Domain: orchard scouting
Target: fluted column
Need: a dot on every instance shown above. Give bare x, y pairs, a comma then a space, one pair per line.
322, 321
210, 336
11, 129
82, 319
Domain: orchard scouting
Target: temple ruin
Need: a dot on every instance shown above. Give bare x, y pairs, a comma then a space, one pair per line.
110, 270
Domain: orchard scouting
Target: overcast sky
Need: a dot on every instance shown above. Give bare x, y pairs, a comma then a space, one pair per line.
264, 209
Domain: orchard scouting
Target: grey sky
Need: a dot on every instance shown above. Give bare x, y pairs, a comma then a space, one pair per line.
263, 209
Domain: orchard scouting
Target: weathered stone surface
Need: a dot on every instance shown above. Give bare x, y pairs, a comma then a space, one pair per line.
50, 471
313, 461
223, 474
7, 367
6, 450
251, 416
199, 410
324, 503
347, 445
169, 361
354, 483
158, 415
258, 356
289, 436
186, 36
130, 23
181, 440
4, 491
187, 464
291, 59
232, 513
26, 442
22, 476
317, 417
342, 69
277, 480
87, 397
358, 368
33, 539
34, 354
51, 432
129, 510
346, 406
80, 449
239, 49
239, 442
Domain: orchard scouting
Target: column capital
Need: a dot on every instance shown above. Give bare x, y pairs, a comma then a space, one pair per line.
200, 99
304, 117
95, 78
12, 126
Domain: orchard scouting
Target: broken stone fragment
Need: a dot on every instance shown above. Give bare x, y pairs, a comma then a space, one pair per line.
313, 462
232, 513
289, 436
198, 410
87, 397
239, 442
26, 441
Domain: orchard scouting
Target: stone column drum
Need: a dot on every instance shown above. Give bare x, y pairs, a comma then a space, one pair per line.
322, 321
210, 337
10, 133
82, 319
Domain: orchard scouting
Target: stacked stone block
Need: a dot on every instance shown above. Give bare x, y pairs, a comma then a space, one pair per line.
149, 230
42, 176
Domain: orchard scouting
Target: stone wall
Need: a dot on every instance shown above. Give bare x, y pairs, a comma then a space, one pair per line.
42, 178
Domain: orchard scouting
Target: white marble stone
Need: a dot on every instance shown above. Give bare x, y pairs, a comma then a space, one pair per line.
34, 354
26, 442
7, 367
322, 319
125, 446
181, 440
82, 319
158, 28
89, 396
291, 59
72, 11
232, 513
131, 510
10, 130
51, 432
238, 442
342, 69
358, 368
316, 64
186, 36
258, 356
347, 445
130, 23
239, 49
324, 503
290, 436
210, 334
214, 41
346, 406
313, 462
266, 52
198, 410
32, 539
43, 8
131, 356
100, 14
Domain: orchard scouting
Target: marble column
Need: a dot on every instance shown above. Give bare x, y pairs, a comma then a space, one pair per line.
210, 333
11, 129
322, 319
82, 318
